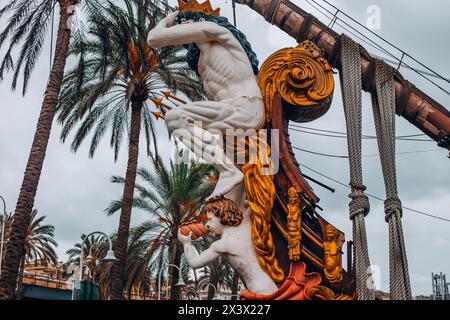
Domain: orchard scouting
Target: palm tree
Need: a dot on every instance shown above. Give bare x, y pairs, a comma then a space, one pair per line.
39, 243
26, 28
139, 274
116, 74
173, 196
218, 273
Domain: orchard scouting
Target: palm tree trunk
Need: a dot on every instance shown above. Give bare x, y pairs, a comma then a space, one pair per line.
195, 279
20, 281
175, 290
117, 272
14, 248
234, 286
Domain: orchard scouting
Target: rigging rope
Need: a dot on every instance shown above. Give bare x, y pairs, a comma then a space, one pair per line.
404, 53
345, 133
384, 116
365, 137
233, 5
373, 196
359, 206
364, 156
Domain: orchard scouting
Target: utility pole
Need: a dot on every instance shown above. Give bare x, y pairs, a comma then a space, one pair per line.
440, 287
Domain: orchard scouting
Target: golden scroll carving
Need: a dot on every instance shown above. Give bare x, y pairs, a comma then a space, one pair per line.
303, 78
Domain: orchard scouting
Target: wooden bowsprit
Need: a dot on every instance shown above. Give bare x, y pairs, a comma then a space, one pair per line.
412, 104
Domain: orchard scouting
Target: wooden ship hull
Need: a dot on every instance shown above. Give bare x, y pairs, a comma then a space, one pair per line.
298, 85
313, 225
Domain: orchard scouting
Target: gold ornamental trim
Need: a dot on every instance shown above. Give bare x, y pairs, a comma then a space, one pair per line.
294, 224
332, 256
193, 5
301, 75
260, 192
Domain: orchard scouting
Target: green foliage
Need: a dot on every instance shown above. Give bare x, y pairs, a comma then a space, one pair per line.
25, 33
170, 196
116, 68
39, 242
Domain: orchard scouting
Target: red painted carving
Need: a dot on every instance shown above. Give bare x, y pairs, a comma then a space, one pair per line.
295, 287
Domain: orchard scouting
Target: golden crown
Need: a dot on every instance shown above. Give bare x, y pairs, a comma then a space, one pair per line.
193, 5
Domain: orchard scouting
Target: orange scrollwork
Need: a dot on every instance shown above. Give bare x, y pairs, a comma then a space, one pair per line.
323, 293
193, 5
303, 78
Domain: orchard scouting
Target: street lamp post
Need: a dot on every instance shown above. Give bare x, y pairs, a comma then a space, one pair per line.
109, 255
192, 291
180, 278
3, 224
216, 295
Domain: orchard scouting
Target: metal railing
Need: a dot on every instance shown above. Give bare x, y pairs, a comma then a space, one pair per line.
46, 282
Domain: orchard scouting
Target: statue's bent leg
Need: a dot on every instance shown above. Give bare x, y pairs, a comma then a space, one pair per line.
190, 124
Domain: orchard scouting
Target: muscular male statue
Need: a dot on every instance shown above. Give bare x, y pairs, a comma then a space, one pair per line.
227, 67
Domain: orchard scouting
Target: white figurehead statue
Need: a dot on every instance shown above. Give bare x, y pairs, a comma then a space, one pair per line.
235, 244
223, 58
227, 67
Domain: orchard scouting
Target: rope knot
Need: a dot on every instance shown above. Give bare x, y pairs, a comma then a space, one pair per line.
392, 206
359, 203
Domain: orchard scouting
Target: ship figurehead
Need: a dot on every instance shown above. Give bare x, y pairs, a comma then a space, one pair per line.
290, 253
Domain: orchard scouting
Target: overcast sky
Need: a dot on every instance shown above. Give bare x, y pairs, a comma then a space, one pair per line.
74, 190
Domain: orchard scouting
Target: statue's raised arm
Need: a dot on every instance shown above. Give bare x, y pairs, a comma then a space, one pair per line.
168, 32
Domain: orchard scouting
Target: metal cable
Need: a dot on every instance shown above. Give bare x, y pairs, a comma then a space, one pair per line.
364, 156
365, 137
434, 73
375, 197
402, 63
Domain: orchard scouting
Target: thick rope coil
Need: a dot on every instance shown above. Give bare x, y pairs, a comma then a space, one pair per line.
392, 206
360, 202
384, 116
351, 83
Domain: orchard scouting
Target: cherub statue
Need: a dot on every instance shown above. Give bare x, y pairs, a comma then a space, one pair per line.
224, 60
226, 219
